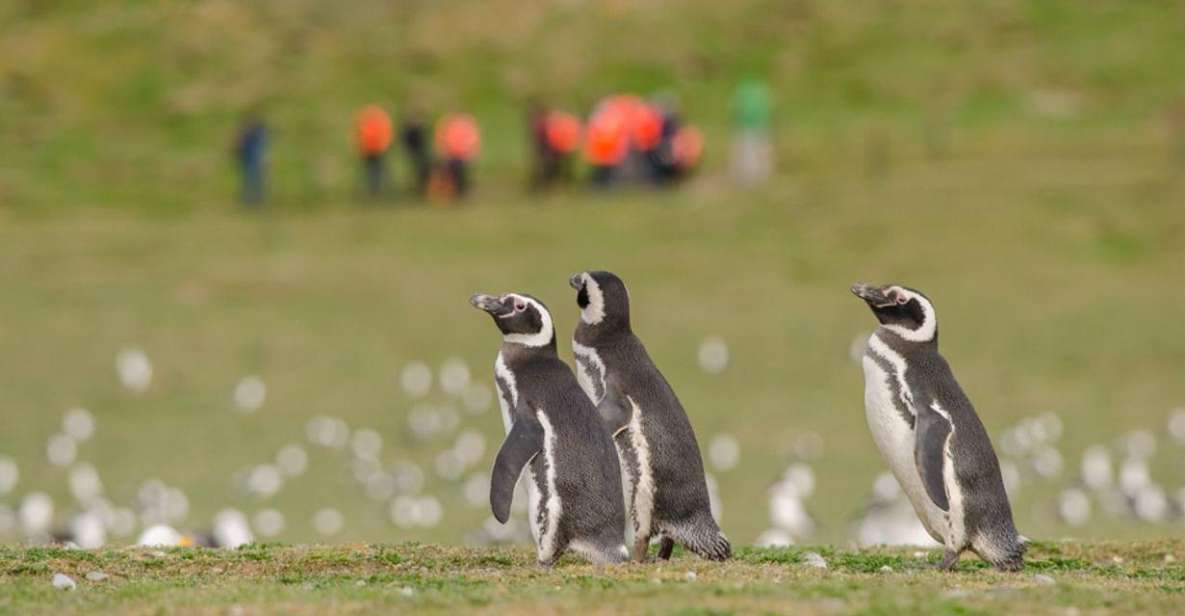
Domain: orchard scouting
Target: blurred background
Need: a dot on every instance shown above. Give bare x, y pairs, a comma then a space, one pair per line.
237, 240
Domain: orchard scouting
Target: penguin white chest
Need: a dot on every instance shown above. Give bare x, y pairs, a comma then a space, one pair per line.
896, 440
507, 385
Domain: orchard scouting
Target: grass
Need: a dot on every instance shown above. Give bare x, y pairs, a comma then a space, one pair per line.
1098, 578
1054, 289
131, 104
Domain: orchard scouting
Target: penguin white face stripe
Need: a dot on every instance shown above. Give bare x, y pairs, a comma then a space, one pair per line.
923, 332
546, 330
553, 506
594, 312
882, 350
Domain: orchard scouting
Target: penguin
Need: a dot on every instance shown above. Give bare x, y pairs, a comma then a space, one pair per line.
554, 432
666, 492
929, 434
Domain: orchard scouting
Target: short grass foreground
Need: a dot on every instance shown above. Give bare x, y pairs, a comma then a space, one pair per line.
1060, 578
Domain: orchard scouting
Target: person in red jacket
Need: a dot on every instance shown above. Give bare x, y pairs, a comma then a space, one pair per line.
606, 143
458, 140
373, 134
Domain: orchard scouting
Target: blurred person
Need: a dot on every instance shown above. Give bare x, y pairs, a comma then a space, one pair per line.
555, 136
563, 132
250, 150
414, 135
663, 159
543, 159
752, 149
374, 134
606, 144
458, 141
687, 146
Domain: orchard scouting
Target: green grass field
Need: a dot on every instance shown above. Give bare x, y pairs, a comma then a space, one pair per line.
1022, 162
1062, 578
1056, 289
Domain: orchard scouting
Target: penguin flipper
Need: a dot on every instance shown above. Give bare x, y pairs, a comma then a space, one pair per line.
521, 446
615, 409
933, 431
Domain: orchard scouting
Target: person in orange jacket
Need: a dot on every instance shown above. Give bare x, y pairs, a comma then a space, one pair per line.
555, 136
458, 140
606, 143
373, 134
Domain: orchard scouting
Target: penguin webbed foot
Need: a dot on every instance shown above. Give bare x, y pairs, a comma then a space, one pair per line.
665, 547
949, 560
641, 549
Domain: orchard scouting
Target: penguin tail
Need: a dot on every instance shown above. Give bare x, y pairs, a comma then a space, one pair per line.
1005, 554
706, 541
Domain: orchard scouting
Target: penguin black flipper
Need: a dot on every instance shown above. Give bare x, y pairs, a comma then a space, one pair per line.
615, 409
522, 444
933, 430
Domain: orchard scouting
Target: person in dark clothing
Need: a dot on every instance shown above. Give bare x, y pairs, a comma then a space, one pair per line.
414, 136
544, 168
250, 150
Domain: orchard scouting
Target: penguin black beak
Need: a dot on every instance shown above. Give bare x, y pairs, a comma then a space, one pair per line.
576, 281
490, 304
873, 295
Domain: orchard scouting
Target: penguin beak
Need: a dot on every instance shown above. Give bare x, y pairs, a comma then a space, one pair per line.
873, 295
577, 281
490, 304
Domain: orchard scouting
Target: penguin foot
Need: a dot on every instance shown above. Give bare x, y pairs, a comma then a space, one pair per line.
949, 560
641, 547
665, 547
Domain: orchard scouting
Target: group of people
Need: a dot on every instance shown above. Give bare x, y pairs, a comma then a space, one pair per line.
440, 172
625, 139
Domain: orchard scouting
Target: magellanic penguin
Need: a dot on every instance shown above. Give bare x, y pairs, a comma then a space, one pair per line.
574, 490
666, 492
928, 432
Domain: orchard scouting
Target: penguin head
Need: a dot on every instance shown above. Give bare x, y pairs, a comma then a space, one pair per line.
603, 300
522, 319
901, 310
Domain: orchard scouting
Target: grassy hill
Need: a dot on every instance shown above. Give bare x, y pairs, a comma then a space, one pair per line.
132, 104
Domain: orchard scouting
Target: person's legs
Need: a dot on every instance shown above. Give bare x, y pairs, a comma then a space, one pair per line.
374, 174
252, 184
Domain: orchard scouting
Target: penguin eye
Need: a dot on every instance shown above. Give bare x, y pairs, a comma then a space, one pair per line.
520, 306
902, 299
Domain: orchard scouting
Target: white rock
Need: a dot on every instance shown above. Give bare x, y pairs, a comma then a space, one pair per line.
159, 535
79, 424
36, 513
1044, 580
231, 529
250, 394
292, 460
61, 450
813, 559
328, 521
713, 355
416, 379
134, 369
9, 474
454, 376
63, 582
724, 451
